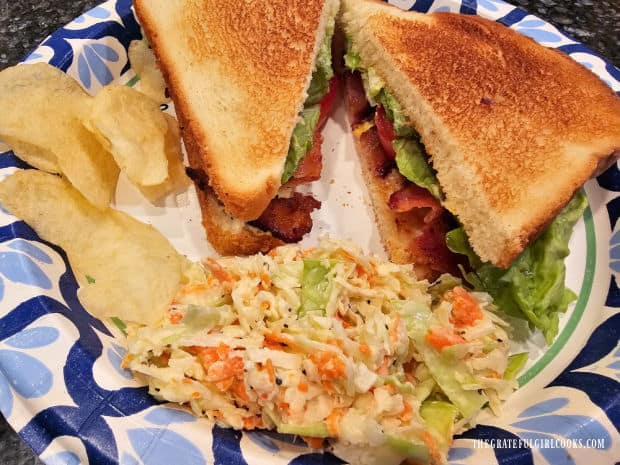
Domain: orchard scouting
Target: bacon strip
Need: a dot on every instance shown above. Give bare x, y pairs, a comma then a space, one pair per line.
309, 169
355, 98
289, 218
413, 196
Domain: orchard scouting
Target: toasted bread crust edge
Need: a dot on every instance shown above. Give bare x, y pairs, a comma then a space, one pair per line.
502, 240
227, 235
245, 204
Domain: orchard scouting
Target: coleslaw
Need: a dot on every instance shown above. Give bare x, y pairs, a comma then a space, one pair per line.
332, 345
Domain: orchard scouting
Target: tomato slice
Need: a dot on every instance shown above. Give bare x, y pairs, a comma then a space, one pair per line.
328, 100
386, 131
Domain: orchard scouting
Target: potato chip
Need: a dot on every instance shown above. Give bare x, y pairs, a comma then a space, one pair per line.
177, 179
133, 128
125, 268
45, 107
33, 155
144, 63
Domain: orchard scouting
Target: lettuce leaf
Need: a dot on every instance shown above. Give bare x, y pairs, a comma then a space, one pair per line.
395, 113
412, 164
532, 288
301, 141
323, 72
316, 286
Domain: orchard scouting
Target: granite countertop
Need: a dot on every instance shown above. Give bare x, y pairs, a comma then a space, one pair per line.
24, 24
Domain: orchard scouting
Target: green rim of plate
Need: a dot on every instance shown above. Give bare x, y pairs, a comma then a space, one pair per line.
584, 297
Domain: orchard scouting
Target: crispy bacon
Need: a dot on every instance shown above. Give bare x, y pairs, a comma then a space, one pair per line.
309, 169
289, 218
379, 162
355, 98
431, 249
413, 196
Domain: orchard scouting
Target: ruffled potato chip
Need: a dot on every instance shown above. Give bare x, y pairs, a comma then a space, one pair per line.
125, 268
144, 63
133, 129
44, 112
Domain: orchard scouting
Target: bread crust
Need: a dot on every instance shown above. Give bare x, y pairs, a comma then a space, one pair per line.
513, 128
227, 234
238, 73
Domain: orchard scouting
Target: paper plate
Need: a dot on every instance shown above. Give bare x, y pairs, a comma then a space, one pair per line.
61, 386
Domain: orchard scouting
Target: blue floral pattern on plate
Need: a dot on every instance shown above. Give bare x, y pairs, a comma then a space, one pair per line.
70, 415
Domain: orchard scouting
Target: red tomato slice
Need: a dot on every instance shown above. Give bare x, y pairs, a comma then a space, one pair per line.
386, 131
327, 102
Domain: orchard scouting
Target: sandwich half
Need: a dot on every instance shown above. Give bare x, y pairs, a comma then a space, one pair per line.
251, 86
474, 139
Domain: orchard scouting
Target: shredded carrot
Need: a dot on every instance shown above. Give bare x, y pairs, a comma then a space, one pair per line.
329, 387
365, 349
278, 341
345, 323
251, 423
465, 309
302, 386
407, 412
265, 281
270, 371
333, 422
442, 337
238, 389
223, 350
432, 447
175, 317
272, 253
225, 384
383, 368
196, 395
223, 370
308, 252
126, 361
207, 356
186, 381
394, 329
391, 388
328, 364
264, 305
313, 443
223, 276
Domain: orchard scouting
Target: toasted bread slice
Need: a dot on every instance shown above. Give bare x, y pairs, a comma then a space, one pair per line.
228, 235
238, 73
512, 128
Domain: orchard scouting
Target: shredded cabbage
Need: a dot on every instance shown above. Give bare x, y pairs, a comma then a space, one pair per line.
327, 343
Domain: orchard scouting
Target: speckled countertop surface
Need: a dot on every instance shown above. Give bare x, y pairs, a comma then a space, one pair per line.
23, 24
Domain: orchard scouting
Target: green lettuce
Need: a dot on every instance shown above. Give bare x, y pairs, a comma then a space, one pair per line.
439, 417
316, 286
516, 363
323, 72
532, 288
351, 59
395, 113
412, 164
301, 141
